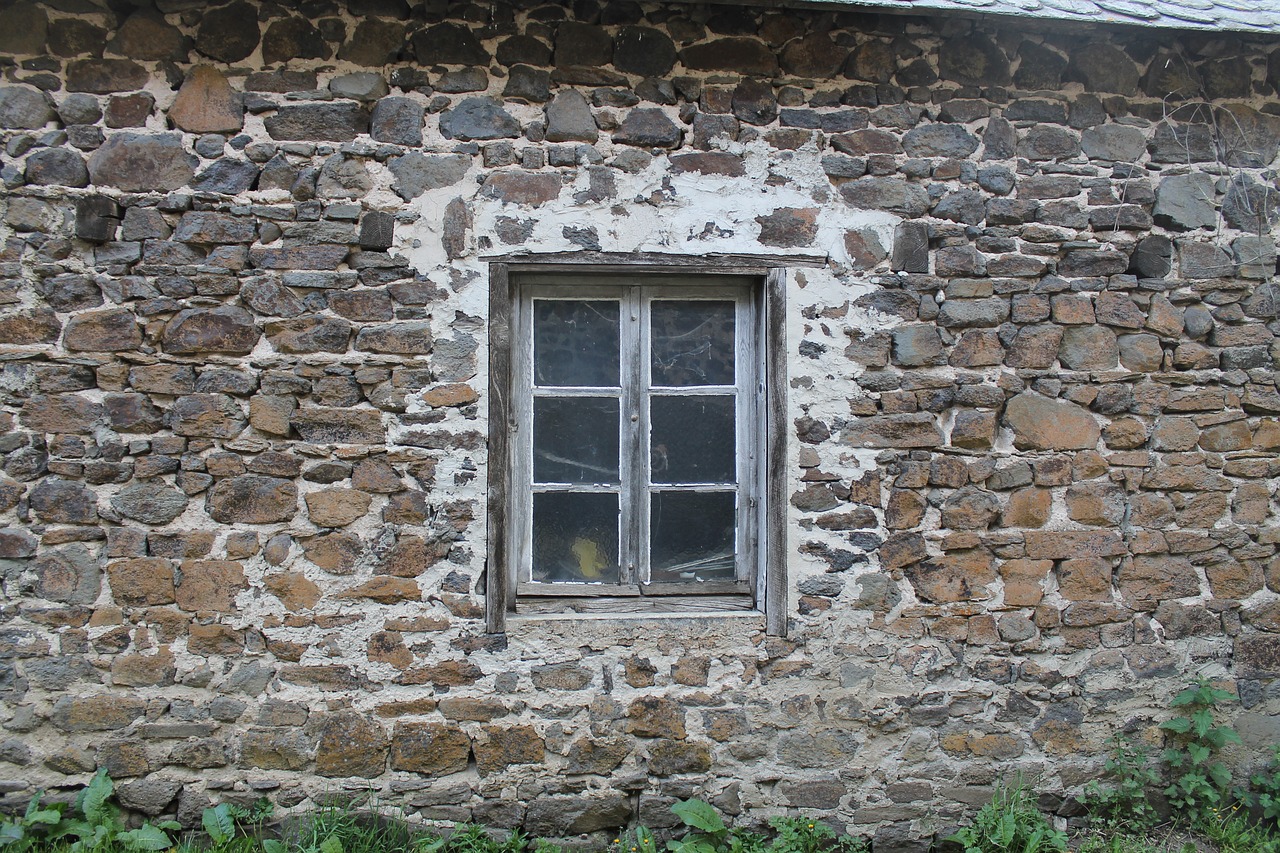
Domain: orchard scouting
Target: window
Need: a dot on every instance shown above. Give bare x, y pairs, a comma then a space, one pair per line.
633, 448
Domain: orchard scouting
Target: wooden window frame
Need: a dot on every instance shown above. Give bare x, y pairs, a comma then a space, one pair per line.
768, 591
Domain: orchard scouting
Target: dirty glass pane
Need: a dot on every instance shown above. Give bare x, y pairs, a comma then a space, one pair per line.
575, 439
692, 439
575, 342
575, 537
692, 536
692, 342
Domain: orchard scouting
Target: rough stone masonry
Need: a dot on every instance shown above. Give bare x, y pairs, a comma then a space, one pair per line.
1034, 410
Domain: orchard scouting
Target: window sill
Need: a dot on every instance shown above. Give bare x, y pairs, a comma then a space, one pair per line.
733, 626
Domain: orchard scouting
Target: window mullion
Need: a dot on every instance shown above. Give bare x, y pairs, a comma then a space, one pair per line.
633, 419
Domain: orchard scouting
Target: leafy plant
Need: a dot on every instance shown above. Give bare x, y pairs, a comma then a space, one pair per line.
98, 825
1122, 803
1232, 831
1198, 784
18, 835
1010, 823
805, 835
1265, 793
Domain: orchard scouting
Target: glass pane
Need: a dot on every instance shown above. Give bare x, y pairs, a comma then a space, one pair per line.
692, 439
692, 536
575, 342
575, 537
692, 343
575, 439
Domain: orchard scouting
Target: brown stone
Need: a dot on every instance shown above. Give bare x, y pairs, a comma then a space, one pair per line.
654, 716
251, 499
1022, 581
1101, 504
221, 640
139, 670
914, 430
789, 227
412, 338
458, 394
206, 416
26, 328
1069, 544
270, 414
960, 576
1028, 507
503, 746
1257, 655
389, 647
1234, 580
206, 103
1085, 579
277, 749
350, 745
431, 749
517, 187
62, 414
902, 549
294, 589
336, 507
339, 426
97, 713
1041, 423
113, 330
209, 585
385, 590
225, 329
136, 162
335, 553
1147, 580
142, 581
672, 757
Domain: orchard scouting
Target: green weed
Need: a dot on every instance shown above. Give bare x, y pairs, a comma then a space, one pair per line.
1010, 823
1121, 803
1198, 784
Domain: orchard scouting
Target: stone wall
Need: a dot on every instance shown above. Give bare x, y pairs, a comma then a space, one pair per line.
243, 392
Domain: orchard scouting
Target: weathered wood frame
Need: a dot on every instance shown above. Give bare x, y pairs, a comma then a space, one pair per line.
769, 353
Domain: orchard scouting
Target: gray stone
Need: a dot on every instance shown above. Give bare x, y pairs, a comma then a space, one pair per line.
1153, 257
339, 121
23, 29
142, 162
343, 177
891, 194
133, 413
1203, 260
62, 502
648, 128
56, 167
209, 227
939, 140
581, 44
397, 120
252, 500
206, 416
974, 60
230, 176
374, 43
226, 329
415, 173
644, 51
910, 247
1197, 322
1042, 423
569, 118
1255, 256
24, 107
377, 230
1186, 202
102, 76
1182, 143
1249, 206
1140, 353
1116, 142
916, 346
228, 33
79, 109
113, 330
449, 44
478, 118
999, 140
360, 86
529, 84
1088, 348
1040, 68
290, 39
150, 502
70, 575
1047, 142
969, 313
149, 796
463, 80
1104, 68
